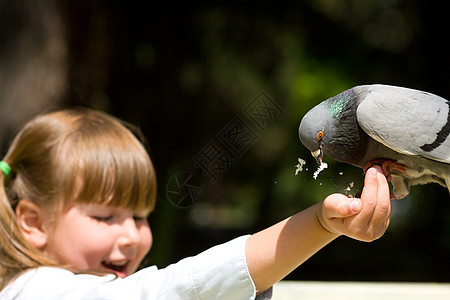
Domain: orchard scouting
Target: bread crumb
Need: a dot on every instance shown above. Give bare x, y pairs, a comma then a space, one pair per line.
299, 166
350, 186
322, 167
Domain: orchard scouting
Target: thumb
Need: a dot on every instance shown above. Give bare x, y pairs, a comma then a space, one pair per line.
340, 206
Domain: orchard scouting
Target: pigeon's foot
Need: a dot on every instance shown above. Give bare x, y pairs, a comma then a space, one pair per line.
387, 166
400, 186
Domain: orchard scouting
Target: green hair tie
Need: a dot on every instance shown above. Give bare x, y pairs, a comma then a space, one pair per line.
5, 168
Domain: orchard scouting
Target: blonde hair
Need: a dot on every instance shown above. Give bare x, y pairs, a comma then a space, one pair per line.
67, 157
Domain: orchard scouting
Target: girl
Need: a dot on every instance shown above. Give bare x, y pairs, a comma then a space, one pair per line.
76, 187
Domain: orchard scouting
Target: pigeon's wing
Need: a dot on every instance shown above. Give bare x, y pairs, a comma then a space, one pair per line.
408, 121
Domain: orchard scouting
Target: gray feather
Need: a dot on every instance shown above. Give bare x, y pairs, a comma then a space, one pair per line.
405, 120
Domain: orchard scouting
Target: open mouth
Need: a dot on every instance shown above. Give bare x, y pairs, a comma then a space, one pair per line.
120, 268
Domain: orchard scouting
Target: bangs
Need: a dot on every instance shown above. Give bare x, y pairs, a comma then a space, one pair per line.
104, 163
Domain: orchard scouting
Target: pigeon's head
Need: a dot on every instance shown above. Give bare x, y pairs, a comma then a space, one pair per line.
316, 131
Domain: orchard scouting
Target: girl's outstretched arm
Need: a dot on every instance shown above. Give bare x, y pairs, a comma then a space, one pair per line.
276, 251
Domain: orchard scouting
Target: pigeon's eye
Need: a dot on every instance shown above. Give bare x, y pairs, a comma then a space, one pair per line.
320, 135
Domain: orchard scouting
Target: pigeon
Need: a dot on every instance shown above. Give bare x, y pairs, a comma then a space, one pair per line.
405, 131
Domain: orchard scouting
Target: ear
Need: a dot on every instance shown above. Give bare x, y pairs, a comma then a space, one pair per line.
30, 217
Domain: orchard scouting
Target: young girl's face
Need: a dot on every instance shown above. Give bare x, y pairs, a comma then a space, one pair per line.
97, 236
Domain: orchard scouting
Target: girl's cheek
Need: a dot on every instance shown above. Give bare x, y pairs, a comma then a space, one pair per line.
146, 242
148, 239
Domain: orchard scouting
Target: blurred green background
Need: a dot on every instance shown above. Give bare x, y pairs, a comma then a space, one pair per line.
184, 73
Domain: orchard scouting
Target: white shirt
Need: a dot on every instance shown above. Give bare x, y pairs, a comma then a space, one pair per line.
218, 273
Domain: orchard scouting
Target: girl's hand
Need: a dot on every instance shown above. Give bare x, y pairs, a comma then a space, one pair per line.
274, 252
364, 219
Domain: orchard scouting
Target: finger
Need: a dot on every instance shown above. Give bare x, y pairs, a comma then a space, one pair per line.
378, 195
341, 206
383, 208
370, 191
383, 187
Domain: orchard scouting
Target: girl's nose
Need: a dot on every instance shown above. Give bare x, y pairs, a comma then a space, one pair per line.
130, 234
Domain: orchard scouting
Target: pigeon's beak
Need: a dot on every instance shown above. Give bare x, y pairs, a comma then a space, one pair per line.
318, 155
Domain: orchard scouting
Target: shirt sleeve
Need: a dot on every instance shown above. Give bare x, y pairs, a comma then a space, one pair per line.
218, 273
